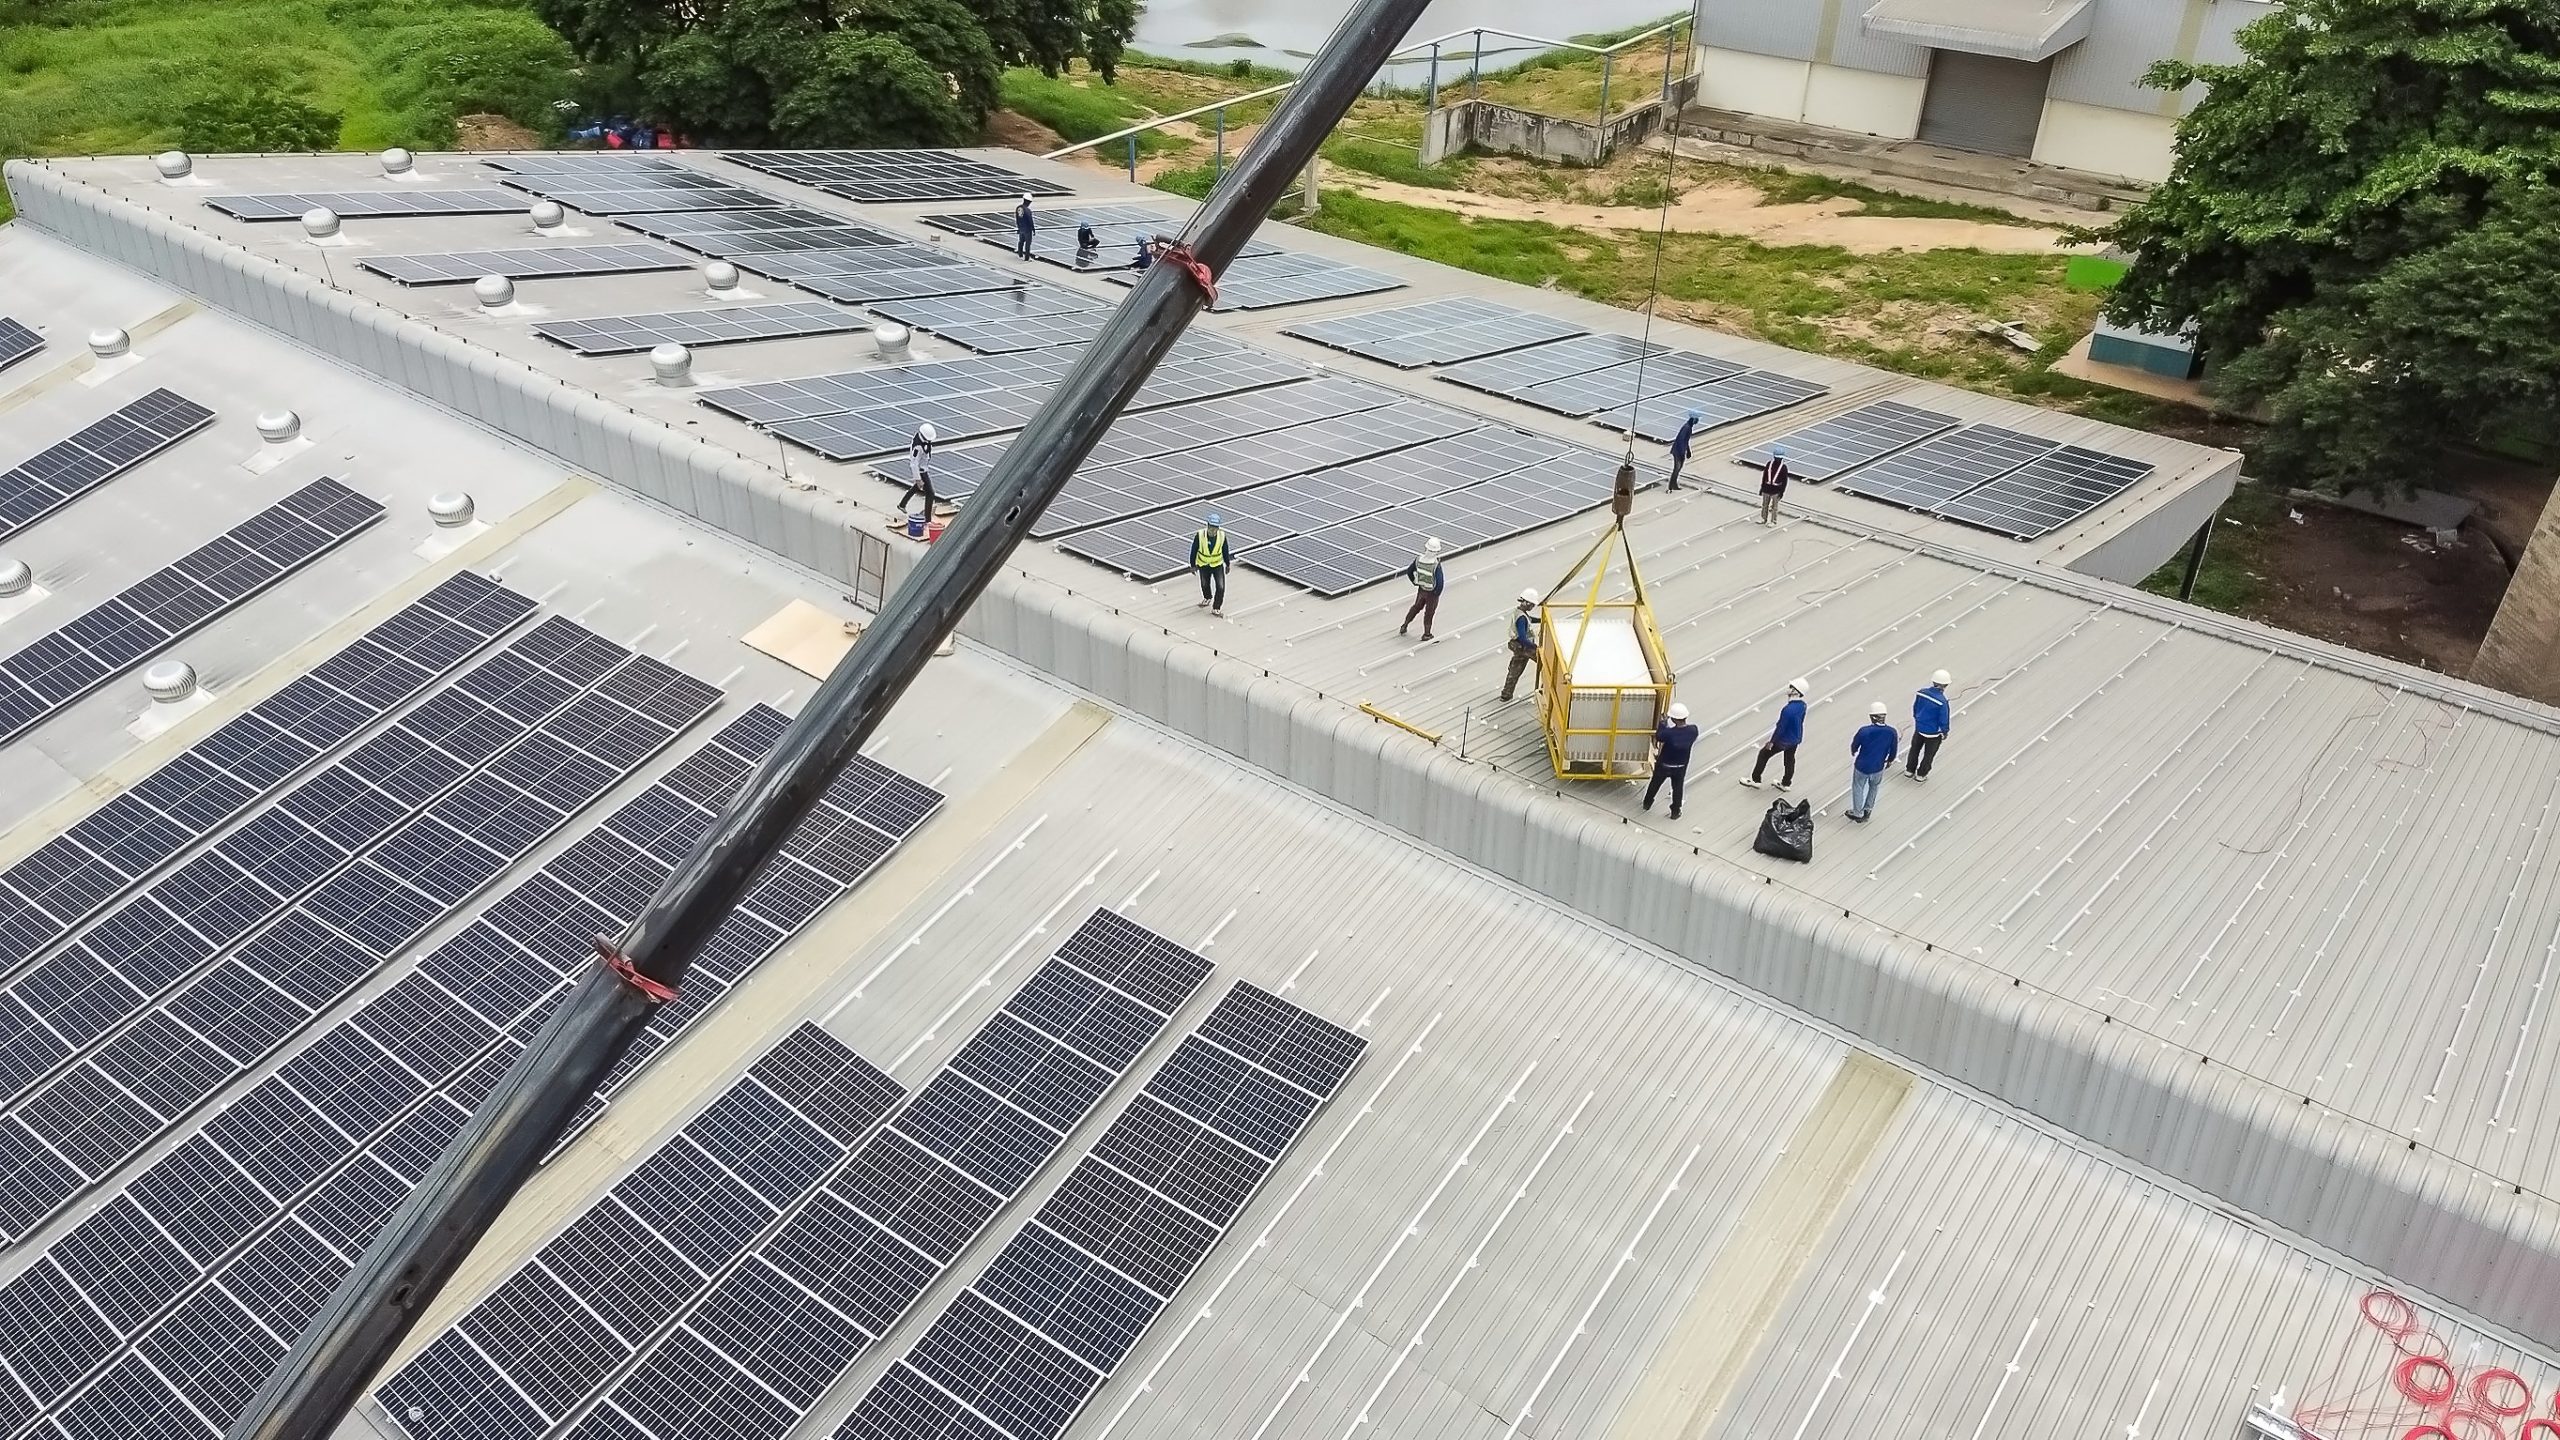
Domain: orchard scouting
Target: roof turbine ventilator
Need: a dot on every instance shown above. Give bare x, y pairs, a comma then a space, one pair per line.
111, 343
451, 509
495, 292
891, 341
170, 681
548, 216
320, 223
398, 161
279, 427
673, 364
15, 578
720, 277
174, 164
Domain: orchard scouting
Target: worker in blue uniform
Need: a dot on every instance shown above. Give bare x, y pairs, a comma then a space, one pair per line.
1209, 559
1931, 718
1023, 228
1871, 753
1673, 738
1783, 739
1522, 641
1680, 444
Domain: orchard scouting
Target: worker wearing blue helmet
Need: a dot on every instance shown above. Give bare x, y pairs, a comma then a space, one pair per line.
1680, 446
1209, 557
1773, 484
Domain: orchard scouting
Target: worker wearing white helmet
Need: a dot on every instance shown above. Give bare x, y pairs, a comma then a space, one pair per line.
1783, 739
1871, 753
1522, 641
919, 474
1023, 228
1428, 577
1673, 738
1931, 718
1209, 559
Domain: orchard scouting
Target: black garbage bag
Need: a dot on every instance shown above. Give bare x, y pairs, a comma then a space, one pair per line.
1787, 831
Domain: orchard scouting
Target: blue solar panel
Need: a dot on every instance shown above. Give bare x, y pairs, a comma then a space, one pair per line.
401, 1108
17, 342
856, 1253
49, 674
94, 454
1069, 1296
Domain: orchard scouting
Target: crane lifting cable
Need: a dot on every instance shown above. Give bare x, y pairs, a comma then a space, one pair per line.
1604, 678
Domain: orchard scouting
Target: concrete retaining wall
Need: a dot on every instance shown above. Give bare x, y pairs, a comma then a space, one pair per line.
1505, 130
2468, 1239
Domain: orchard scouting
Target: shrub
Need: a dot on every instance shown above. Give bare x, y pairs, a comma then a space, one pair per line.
254, 119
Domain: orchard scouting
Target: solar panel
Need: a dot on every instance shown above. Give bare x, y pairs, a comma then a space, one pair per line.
176, 600
681, 226
74, 875
17, 342
1142, 436
2046, 494
893, 176
623, 334
647, 1248
368, 204
1508, 373
1158, 546
1438, 332
1100, 495
872, 247
94, 454
851, 1249
1338, 559
589, 163
1936, 471
1031, 302
1845, 442
1592, 391
1062, 1305
1735, 398
794, 264
649, 199
906, 283
174, 1034
1008, 337
530, 263
1262, 283
1117, 231
364, 1110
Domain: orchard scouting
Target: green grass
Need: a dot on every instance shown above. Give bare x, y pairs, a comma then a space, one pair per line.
1788, 187
1394, 162
2094, 272
2236, 561
1081, 112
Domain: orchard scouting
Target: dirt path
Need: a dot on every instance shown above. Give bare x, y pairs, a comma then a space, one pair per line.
1730, 210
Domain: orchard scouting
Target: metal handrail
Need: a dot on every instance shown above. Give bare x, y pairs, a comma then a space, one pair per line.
1418, 50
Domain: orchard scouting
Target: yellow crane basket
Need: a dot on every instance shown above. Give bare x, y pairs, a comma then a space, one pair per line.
1603, 676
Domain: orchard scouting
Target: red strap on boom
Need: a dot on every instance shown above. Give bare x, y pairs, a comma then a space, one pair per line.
1179, 254
620, 964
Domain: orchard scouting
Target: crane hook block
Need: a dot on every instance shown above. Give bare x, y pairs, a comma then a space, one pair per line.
1622, 499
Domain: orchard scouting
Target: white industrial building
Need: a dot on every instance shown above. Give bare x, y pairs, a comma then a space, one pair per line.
2054, 81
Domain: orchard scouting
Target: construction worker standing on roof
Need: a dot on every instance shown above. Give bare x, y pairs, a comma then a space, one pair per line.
1871, 753
1209, 558
1428, 577
1673, 738
1680, 446
919, 475
1931, 718
1023, 228
1523, 641
1783, 739
1773, 484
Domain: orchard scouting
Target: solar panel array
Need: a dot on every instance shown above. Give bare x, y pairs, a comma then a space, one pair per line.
887, 279
1025, 1346
654, 187
864, 413
368, 204
893, 176
1935, 471
623, 334
529, 263
2046, 493
1516, 370
553, 1332
1727, 401
357, 863
1098, 496
94, 454
1436, 332
858, 1246
1117, 230
1845, 442
1268, 281
17, 342
1032, 317
1341, 558
1155, 547
77, 873
1142, 436
708, 226
177, 599
161, 1313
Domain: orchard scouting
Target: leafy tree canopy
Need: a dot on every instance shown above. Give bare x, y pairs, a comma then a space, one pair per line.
2362, 226
250, 119
829, 72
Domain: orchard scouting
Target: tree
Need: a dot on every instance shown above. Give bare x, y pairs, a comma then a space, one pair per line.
828, 72
2358, 224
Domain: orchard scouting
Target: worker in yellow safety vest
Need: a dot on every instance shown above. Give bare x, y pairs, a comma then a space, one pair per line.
1209, 560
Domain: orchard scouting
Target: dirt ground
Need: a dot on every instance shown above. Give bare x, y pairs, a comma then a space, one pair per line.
493, 132
2372, 585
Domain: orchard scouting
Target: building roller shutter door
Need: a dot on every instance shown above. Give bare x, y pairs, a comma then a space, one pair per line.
1984, 103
